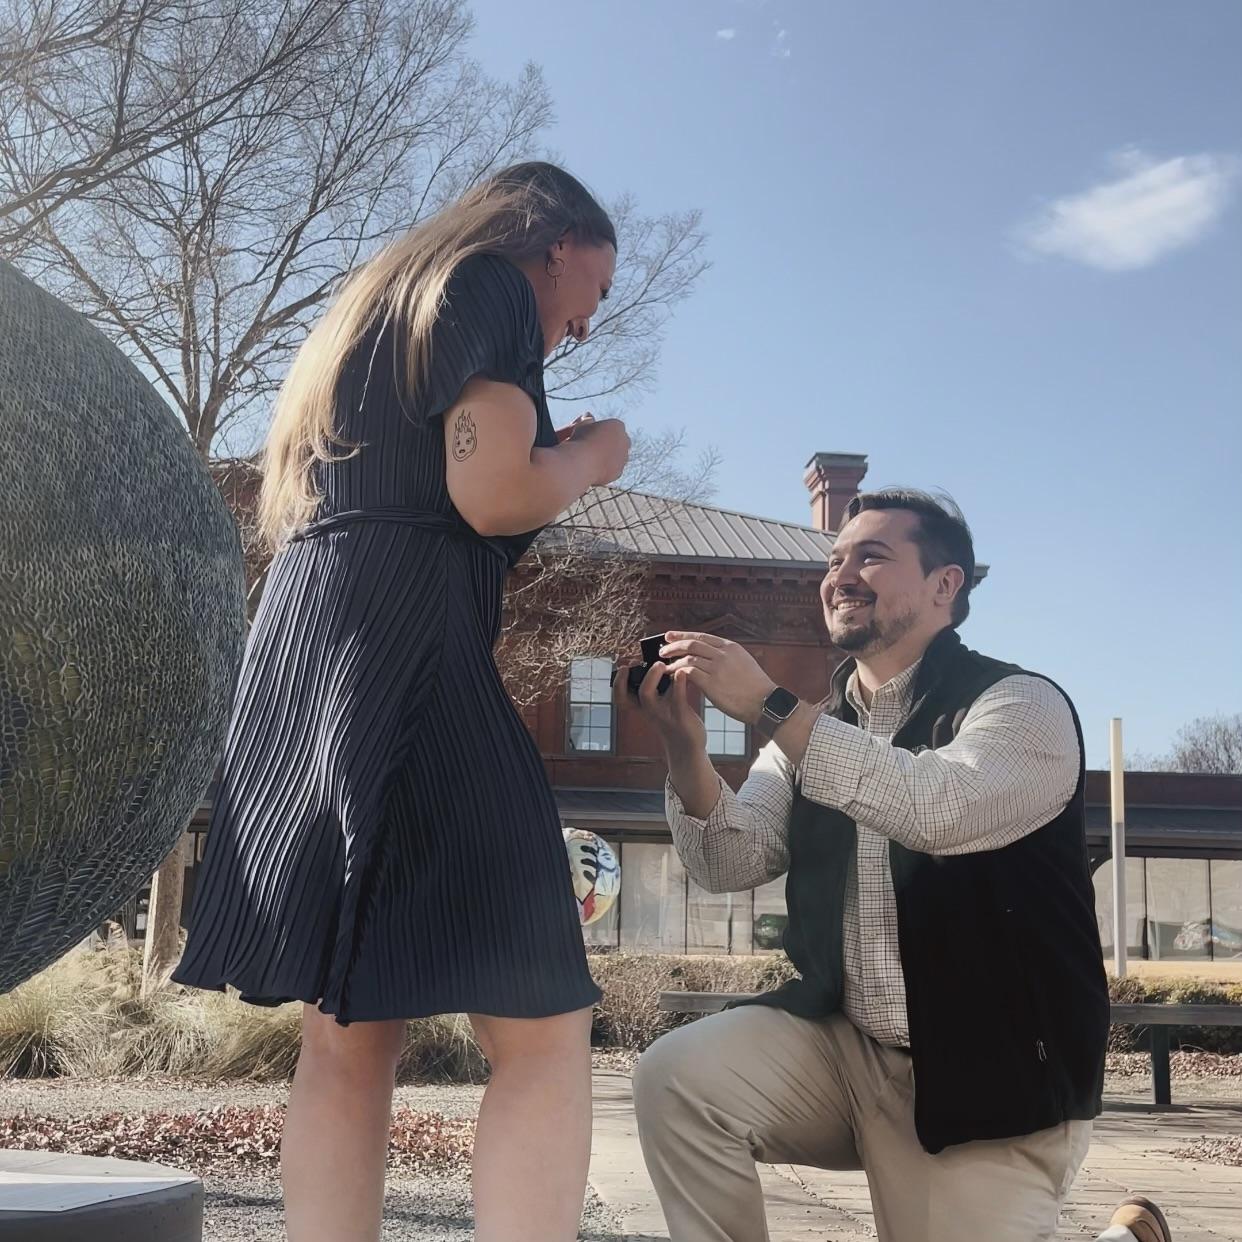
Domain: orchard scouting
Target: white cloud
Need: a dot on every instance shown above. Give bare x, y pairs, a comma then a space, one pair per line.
727, 33
1148, 210
780, 45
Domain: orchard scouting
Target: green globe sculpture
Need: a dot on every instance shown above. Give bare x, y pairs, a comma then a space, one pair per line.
122, 620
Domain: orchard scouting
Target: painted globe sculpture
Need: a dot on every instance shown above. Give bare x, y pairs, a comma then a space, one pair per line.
122, 619
595, 872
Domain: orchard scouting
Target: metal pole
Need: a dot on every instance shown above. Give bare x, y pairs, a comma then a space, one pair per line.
1117, 789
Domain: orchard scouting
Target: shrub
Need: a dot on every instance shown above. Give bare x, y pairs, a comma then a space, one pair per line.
629, 1014
85, 1016
1134, 990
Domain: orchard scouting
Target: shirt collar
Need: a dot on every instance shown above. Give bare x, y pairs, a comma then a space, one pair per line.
899, 691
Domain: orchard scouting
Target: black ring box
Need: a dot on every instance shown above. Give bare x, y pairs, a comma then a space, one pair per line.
634, 675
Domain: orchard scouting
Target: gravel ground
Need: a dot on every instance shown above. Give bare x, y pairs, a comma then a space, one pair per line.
420, 1210
245, 1206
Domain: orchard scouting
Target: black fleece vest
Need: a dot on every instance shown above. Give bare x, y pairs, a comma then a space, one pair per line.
1005, 987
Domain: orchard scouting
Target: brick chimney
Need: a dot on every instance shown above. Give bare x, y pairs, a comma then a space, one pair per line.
833, 479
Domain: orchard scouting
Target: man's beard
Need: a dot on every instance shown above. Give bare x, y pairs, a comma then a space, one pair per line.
876, 636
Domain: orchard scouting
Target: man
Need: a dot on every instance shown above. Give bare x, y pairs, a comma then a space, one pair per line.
948, 1028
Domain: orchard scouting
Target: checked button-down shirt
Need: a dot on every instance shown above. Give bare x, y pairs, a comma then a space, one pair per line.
1012, 767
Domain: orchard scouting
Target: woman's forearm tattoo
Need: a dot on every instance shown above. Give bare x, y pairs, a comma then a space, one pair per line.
465, 437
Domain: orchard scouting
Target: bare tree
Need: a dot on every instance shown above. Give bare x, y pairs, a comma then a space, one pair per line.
660, 259
208, 261
90, 89
1211, 744
233, 197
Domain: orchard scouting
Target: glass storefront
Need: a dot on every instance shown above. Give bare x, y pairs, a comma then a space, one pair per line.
1176, 908
662, 910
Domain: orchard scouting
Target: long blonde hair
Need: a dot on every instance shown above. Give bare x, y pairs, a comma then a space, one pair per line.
518, 213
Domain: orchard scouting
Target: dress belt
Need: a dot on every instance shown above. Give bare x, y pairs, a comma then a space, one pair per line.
442, 523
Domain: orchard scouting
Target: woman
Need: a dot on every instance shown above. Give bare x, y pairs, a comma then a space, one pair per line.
385, 844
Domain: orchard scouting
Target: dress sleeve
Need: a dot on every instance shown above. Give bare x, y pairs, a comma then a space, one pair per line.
488, 326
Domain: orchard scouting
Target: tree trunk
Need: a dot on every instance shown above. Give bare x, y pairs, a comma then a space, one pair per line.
163, 933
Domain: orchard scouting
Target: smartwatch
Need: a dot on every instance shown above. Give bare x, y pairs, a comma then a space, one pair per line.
777, 708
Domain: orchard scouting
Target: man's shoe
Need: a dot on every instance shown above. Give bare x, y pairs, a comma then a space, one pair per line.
1143, 1219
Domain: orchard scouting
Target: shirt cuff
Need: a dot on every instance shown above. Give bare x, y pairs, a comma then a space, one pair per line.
837, 760
675, 809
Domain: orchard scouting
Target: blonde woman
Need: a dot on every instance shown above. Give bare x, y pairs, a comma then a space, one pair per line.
385, 844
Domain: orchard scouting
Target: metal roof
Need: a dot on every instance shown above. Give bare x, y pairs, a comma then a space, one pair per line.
611, 519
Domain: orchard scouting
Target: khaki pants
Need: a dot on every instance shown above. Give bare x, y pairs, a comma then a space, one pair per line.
760, 1084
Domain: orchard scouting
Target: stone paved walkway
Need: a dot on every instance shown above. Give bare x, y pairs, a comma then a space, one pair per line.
1129, 1154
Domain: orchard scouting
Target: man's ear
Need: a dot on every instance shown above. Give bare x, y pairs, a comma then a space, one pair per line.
951, 580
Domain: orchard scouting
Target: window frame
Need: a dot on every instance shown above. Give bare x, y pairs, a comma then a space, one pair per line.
570, 703
725, 755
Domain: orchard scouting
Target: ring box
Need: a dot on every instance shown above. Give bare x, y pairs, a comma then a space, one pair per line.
650, 647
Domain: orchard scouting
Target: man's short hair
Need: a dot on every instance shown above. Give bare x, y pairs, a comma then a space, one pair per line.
942, 535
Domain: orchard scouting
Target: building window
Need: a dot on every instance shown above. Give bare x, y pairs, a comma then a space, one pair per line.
1187, 908
717, 922
662, 910
726, 737
590, 705
653, 899
770, 916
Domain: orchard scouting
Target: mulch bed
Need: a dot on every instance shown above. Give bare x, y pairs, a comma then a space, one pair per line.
228, 1136
1181, 1064
1213, 1150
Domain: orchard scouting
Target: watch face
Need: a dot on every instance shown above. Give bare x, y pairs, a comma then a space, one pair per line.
780, 703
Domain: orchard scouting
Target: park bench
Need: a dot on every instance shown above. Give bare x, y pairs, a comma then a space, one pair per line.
1157, 1018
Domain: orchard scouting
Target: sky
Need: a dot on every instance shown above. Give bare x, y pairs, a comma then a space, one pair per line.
995, 247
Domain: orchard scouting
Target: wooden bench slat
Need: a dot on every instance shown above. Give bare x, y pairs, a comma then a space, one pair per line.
699, 1002
1177, 1015
1122, 1015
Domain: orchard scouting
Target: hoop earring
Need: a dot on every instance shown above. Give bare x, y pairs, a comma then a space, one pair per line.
556, 276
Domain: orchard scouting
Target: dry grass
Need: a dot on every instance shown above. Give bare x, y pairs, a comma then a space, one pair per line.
85, 1017
1221, 972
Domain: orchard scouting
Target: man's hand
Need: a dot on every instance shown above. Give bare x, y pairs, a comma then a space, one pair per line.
680, 727
684, 736
727, 674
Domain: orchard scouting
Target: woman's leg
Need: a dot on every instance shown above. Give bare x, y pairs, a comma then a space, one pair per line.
335, 1143
533, 1145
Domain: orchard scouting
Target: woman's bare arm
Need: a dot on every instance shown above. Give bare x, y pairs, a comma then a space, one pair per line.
499, 483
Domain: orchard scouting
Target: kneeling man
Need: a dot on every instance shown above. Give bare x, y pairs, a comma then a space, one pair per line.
948, 1026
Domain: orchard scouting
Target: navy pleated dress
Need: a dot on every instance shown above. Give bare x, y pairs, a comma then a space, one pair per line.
385, 841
